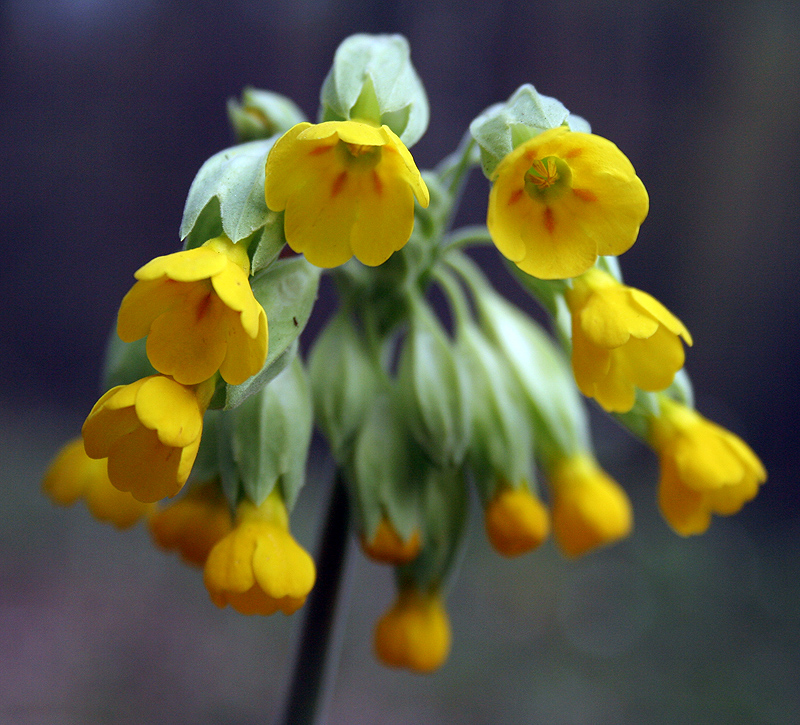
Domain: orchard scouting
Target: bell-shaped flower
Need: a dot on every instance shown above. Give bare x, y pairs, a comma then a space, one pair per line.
193, 525
258, 568
415, 632
622, 339
199, 314
73, 475
561, 199
705, 469
150, 431
590, 508
388, 547
347, 189
516, 521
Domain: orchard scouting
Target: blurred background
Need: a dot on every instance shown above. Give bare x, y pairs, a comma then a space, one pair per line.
109, 107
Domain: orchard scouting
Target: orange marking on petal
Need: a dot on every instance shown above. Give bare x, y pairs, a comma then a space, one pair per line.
573, 153
377, 183
203, 306
549, 222
515, 197
585, 194
317, 150
338, 183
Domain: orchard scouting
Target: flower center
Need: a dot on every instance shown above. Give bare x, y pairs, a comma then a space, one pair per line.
547, 178
359, 156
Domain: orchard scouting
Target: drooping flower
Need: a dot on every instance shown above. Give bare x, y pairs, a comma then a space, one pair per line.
150, 431
347, 189
561, 199
415, 632
388, 547
199, 314
73, 475
590, 508
193, 525
622, 339
258, 568
516, 521
705, 469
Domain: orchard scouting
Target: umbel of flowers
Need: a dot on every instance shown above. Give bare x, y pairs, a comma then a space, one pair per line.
206, 418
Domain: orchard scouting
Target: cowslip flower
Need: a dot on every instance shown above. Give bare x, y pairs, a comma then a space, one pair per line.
590, 508
622, 338
516, 521
73, 475
347, 189
150, 431
388, 547
258, 568
199, 314
193, 525
705, 469
561, 199
415, 632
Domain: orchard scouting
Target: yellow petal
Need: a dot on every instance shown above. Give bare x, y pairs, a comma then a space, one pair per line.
145, 302
661, 313
190, 265
171, 410
233, 289
245, 356
284, 169
609, 319
651, 364
230, 564
65, 480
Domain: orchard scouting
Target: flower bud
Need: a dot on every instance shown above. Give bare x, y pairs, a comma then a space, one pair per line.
262, 114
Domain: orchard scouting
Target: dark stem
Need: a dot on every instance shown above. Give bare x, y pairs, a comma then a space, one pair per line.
320, 643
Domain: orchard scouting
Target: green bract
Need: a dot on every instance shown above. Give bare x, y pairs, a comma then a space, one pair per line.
372, 80
262, 114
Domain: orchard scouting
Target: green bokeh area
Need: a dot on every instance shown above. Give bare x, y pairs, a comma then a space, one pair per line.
96, 626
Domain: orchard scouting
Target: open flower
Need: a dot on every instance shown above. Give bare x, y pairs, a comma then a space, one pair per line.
199, 314
516, 521
73, 475
388, 547
561, 199
705, 469
150, 432
622, 338
348, 189
193, 525
415, 632
590, 508
258, 568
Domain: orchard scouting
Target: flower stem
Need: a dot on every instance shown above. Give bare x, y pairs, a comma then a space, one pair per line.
320, 642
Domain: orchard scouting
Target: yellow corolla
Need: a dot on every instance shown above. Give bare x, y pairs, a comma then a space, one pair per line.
415, 632
347, 189
590, 508
150, 431
73, 475
561, 199
388, 547
199, 314
622, 339
705, 469
516, 521
258, 568
193, 525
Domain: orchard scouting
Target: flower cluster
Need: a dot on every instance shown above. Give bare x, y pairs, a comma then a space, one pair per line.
417, 414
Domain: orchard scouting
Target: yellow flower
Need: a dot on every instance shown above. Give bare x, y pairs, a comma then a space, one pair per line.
561, 199
193, 525
622, 338
258, 568
150, 432
348, 189
387, 546
73, 475
516, 521
199, 314
705, 469
415, 632
590, 508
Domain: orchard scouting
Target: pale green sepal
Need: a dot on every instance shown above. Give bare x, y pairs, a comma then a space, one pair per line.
235, 177
504, 126
344, 381
125, 362
286, 290
269, 436
578, 123
206, 465
444, 508
262, 114
502, 434
433, 390
386, 471
372, 79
